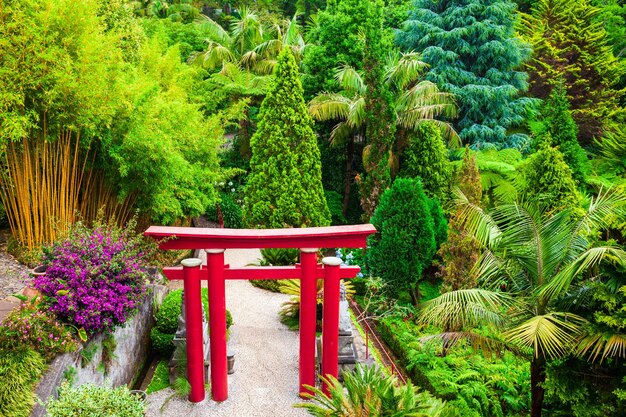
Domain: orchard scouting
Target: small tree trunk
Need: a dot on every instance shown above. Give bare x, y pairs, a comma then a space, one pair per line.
537, 378
348, 177
415, 294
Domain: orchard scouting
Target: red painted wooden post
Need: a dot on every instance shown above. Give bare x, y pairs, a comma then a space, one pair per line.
193, 318
330, 319
308, 312
217, 323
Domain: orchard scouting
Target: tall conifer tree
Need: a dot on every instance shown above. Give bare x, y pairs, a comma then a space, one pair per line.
284, 187
570, 46
473, 52
380, 115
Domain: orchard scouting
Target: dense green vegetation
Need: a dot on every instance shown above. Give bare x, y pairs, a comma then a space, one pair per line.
499, 122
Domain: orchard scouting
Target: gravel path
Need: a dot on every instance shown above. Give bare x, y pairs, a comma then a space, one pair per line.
12, 273
265, 382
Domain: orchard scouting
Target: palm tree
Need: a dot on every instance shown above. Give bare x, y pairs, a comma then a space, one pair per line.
369, 392
248, 43
416, 102
531, 261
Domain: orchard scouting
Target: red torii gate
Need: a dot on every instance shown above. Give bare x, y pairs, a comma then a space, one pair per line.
215, 241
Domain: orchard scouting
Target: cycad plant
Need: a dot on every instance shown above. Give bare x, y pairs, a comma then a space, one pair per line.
531, 261
367, 391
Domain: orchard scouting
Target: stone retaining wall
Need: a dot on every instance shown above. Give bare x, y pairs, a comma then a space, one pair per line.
132, 342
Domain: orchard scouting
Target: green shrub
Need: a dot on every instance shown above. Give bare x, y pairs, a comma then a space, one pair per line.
409, 227
94, 401
367, 391
19, 371
162, 342
426, 157
166, 319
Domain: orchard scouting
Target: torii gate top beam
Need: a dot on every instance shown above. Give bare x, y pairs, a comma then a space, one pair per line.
353, 236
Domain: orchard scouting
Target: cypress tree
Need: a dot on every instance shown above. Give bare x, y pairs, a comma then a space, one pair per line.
558, 123
380, 114
473, 52
407, 237
570, 46
284, 188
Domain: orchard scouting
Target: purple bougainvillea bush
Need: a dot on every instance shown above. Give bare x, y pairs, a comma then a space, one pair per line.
95, 278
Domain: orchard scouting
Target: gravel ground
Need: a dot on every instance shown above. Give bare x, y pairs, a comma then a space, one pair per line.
265, 382
12, 273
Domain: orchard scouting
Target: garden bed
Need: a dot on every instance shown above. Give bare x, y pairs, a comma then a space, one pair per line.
94, 364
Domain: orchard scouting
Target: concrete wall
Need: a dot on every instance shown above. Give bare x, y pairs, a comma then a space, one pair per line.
132, 347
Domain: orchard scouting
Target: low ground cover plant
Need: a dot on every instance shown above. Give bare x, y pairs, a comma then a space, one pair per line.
36, 329
95, 277
93, 401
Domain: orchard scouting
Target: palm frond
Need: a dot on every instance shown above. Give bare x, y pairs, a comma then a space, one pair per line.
601, 209
405, 70
550, 335
214, 30
464, 308
449, 340
350, 80
329, 106
561, 282
602, 345
477, 222
216, 55
341, 133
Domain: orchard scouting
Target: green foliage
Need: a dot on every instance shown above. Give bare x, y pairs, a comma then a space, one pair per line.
336, 40
189, 38
284, 188
37, 329
570, 46
473, 53
613, 17
93, 401
58, 69
162, 343
460, 252
426, 157
161, 378
162, 136
547, 176
405, 243
468, 382
19, 372
380, 114
166, 320
231, 211
87, 353
335, 207
368, 391
557, 123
